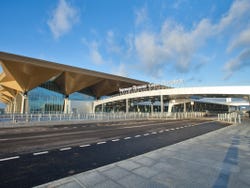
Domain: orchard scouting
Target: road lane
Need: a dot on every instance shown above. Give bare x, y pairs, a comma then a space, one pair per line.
35, 139
30, 170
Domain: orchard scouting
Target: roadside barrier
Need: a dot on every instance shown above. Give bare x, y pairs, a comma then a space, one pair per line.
230, 117
31, 118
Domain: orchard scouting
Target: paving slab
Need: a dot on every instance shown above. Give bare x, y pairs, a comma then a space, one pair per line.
216, 159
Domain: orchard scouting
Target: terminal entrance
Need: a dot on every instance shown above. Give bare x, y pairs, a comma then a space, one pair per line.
154, 105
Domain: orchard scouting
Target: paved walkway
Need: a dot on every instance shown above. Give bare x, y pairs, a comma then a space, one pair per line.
216, 159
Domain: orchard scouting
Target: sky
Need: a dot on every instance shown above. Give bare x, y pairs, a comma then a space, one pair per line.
203, 43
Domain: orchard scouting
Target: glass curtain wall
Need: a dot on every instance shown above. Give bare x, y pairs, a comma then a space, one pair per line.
42, 100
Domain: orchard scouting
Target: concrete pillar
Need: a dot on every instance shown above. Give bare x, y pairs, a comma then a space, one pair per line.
170, 105
14, 105
25, 103
184, 107
162, 104
127, 107
152, 107
66, 104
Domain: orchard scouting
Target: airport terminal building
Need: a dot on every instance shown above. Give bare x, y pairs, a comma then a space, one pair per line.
29, 85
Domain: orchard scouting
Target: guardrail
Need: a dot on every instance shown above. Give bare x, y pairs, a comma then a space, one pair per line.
230, 117
33, 118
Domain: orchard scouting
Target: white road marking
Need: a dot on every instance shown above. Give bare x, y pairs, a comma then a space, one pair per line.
41, 153
154, 133
86, 145
161, 131
3, 139
74, 127
127, 138
137, 136
166, 130
9, 158
172, 129
146, 134
65, 149
99, 143
115, 140
177, 128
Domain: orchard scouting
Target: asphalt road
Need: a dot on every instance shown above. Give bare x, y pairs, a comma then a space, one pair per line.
32, 156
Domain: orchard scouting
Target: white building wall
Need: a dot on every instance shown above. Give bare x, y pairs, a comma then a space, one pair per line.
80, 106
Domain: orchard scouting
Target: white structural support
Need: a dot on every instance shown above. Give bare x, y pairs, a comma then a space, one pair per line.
66, 105
181, 93
162, 104
24, 103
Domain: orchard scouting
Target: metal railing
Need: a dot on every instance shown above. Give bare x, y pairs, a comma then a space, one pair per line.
27, 119
230, 117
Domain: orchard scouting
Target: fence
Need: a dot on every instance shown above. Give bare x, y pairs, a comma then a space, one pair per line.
230, 117
31, 118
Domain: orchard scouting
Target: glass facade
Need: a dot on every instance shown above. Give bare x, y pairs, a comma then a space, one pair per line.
47, 99
42, 100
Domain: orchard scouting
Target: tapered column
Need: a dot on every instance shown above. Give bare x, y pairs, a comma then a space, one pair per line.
162, 104
127, 107
25, 103
66, 104
170, 105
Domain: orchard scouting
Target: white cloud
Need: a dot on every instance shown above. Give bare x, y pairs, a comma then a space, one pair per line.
121, 70
94, 54
175, 45
62, 19
171, 45
238, 63
241, 40
111, 43
141, 16
237, 12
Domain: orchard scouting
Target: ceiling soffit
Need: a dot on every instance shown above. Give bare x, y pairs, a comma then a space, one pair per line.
107, 87
70, 82
28, 76
8, 80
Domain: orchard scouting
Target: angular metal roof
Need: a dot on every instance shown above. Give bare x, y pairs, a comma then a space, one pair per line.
22, 74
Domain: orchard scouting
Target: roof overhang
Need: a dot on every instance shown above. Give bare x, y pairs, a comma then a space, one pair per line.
22, 74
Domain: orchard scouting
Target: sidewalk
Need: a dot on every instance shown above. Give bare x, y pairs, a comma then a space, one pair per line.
216, 159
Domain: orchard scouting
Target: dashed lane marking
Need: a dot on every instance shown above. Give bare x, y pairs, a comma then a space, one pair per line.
146, 134
65, 149
166, 130
3, 139
127, 138
154, 133
161, 131
41, 153
172, 129
99, 143
9, 158
137, 136
177, 128
115, 140
84, 146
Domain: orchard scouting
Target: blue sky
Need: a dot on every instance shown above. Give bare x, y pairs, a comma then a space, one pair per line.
202, 42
